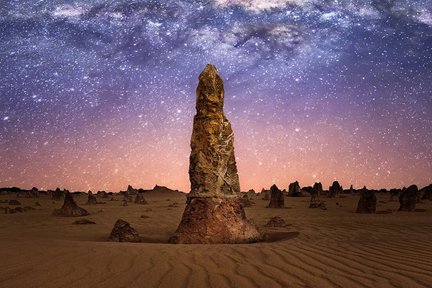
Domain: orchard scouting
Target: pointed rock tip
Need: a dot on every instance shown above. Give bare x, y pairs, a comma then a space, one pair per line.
209, 71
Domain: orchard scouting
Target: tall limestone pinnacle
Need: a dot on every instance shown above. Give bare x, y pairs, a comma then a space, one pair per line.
212, 169
214, 213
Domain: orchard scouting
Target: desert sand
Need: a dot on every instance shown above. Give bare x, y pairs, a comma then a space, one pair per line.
318, 248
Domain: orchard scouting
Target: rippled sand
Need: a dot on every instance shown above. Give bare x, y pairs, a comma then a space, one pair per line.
319, 248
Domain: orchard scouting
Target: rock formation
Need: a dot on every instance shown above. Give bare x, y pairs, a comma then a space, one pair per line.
57, 194
317, 189
408, 198
277, 198
91, 198
427, 193
139, 199
83, 222
394, 192
102, 194
33, 193
335, 189
213, 213
265, 194
315, 202
367, 202
294, 189
131, 191
70, 208
123, 232
276, 222
251, 194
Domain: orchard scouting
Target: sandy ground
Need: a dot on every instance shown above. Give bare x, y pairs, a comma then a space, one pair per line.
319, 248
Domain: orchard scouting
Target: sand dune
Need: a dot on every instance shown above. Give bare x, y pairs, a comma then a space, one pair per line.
318, 248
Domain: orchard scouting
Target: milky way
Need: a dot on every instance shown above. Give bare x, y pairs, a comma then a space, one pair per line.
101, 94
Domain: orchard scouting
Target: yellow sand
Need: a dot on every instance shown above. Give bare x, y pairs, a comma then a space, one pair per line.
332, 248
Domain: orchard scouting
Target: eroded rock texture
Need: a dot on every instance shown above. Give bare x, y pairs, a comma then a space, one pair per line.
70, 208
212, 169
276, 221
123, 232
367, 202
277, 198
211, 220
408, 198
214, 213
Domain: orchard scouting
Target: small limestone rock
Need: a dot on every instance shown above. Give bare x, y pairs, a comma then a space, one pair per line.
139, 199
277, 198
315, 194
91, 200
335, 189
265, 194
58, 194
83, 222
102, 194
317, 189
70, 208
294, 189
174, 204
408, 198
276, 222
426, 193
367, 202
123, 232
131, 191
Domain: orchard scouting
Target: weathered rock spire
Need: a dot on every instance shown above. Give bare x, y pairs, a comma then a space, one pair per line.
212, 169
214, 213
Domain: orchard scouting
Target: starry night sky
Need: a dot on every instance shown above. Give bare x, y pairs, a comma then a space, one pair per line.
101, 94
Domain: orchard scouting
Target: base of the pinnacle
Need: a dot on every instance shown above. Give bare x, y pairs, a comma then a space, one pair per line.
215, 221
